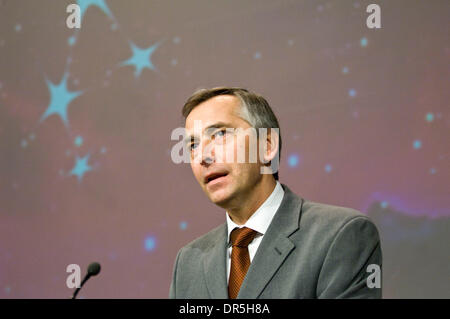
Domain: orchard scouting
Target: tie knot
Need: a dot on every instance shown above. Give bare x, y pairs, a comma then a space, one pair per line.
242, 236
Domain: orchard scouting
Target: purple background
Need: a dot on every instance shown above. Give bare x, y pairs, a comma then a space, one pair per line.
364, 117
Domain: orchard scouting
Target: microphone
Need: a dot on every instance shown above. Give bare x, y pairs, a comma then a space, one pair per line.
93, 270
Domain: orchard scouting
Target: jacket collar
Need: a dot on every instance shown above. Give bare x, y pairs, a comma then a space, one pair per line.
214, 265
273, 250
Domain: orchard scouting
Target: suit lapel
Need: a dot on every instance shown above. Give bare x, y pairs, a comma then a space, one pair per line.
274, 248
214, 264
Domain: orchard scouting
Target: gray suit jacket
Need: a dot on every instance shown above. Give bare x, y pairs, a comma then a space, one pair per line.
310, 250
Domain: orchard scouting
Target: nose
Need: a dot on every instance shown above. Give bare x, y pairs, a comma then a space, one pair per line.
208, 153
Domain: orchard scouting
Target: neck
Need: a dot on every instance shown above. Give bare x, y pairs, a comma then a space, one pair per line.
252, 201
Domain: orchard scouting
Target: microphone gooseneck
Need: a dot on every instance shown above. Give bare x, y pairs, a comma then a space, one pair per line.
93, 270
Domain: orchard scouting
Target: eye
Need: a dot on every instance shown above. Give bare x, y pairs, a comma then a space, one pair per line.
219, 133
193, 146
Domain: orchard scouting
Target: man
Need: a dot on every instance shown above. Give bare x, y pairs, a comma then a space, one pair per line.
274, 243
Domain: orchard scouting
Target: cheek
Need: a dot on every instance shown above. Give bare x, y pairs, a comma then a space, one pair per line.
221, 152
227, 152
239, 149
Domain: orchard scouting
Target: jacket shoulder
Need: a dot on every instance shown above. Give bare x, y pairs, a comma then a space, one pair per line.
328, 218
207, 240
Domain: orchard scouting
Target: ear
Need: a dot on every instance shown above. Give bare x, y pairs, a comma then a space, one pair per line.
272, 142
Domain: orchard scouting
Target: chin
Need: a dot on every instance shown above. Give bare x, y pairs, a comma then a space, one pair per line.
220, 197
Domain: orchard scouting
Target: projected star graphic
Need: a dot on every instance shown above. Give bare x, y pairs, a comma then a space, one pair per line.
81, 167
85, 4
141, 58
60, 99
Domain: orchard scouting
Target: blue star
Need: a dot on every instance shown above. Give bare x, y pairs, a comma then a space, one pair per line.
85, 4
78, 141
363, 42
293, 160
81, 167
71, 41
150, 243
60, 99
183, 225
141, 58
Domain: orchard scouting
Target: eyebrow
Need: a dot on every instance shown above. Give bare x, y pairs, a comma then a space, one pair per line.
190, 138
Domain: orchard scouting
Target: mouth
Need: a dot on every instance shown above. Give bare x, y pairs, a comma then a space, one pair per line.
214, 176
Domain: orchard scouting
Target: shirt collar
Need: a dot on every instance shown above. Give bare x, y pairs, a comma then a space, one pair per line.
260, 220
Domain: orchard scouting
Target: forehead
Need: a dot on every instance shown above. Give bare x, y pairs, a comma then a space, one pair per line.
222, 108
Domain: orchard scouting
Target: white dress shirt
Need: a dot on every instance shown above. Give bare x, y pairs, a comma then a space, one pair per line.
259, 221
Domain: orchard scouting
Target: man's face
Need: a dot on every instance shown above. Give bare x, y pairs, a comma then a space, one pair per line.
215, 151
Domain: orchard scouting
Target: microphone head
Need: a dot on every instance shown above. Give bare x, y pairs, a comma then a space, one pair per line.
94, 269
